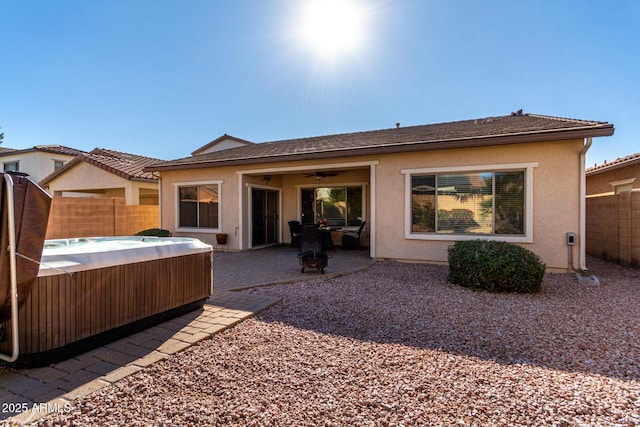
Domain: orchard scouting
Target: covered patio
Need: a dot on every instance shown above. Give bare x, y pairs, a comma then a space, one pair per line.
338, 194
278, 264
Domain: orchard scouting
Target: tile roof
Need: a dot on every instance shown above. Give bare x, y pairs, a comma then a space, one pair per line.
617, 163
55, 149
219, 140
511, 129
128, 166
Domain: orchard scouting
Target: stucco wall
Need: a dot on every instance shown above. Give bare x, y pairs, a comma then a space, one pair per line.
555, 196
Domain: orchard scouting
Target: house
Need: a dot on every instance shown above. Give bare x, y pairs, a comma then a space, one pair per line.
38, 161
517, 178
615, 177
106, 173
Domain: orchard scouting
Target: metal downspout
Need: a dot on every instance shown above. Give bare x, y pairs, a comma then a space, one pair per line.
12, 268
583, 206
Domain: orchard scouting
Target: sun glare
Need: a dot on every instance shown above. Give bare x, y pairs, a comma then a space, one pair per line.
333, 27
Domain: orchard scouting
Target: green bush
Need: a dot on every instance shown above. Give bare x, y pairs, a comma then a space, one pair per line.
495, 266
158, 232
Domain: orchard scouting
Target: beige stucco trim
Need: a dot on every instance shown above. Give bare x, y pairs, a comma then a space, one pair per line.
529, 211
176, 189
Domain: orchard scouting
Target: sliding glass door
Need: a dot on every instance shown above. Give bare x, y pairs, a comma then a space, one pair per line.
264, 216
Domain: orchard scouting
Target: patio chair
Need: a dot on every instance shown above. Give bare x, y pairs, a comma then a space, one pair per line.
294, 229
351, 239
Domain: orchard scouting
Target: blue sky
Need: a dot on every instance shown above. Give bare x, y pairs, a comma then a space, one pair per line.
162, 78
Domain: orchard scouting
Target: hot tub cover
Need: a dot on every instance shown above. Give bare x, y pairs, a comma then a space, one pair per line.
31, 207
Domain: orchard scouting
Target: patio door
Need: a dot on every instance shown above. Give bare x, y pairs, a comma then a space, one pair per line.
264, 216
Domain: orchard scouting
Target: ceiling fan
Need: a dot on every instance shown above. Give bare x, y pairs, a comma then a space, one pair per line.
320, 175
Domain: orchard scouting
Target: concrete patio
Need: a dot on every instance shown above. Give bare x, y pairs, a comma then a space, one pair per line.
37, 391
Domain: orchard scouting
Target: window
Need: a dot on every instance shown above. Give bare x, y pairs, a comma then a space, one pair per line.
468, 203
11, 166
494, 201
57, 164
339, 206
199, 206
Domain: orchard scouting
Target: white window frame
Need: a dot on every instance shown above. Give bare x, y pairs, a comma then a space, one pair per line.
177, 186
529, 208
56, 161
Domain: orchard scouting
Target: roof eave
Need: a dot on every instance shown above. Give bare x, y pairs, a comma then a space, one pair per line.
148, 180
613, 166
540, 136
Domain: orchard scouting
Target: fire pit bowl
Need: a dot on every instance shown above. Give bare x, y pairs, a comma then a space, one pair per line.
313, 259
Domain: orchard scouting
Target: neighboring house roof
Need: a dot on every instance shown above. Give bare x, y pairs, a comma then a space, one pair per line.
56, 149
616, 164
128, 166
511, 129
220, 142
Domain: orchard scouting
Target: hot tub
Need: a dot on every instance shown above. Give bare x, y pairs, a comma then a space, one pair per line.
93, 290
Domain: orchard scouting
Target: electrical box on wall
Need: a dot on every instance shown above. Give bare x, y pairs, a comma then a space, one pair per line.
571, 239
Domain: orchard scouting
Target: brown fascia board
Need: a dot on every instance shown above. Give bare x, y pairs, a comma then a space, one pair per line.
539, 136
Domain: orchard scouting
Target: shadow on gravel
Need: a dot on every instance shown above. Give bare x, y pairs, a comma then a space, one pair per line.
568, 326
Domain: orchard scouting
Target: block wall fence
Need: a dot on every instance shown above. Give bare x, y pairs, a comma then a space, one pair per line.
613, 228
79, 217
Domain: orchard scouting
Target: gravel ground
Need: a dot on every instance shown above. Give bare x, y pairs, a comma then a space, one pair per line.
398, 345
